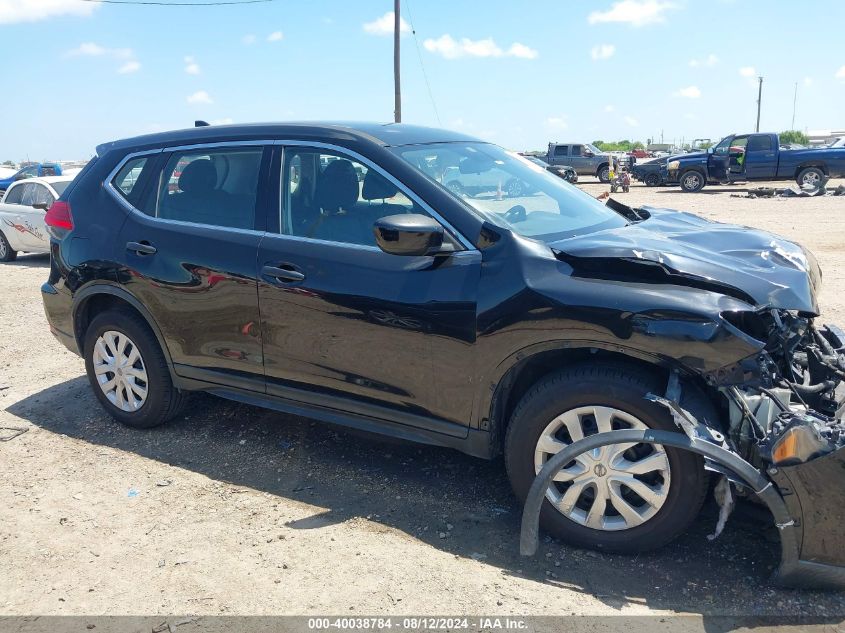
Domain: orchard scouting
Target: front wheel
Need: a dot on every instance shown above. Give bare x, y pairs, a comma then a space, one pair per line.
692, 181
624, 498
7, 254
128, 371
604, 174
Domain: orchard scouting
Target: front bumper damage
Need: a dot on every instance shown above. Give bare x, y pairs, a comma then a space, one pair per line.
783, 442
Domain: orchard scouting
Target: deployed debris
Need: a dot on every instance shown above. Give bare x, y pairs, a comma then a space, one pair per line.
804, 191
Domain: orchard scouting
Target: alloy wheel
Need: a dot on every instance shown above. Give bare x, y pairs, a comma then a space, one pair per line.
120, 371
613, 488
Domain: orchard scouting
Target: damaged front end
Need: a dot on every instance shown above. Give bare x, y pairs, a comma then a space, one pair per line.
786, 419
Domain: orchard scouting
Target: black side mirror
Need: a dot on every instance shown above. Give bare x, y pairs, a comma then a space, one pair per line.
41, 205
409, 234
588, 153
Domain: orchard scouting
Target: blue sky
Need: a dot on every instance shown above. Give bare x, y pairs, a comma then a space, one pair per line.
518, 73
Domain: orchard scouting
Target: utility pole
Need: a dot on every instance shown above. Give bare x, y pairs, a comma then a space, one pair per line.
794, 101
397, 90
759, 101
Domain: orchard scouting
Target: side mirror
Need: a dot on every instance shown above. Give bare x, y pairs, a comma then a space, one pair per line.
588, 153
409, 234
41, 205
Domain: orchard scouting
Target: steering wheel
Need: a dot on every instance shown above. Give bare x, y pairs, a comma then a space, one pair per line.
515, 214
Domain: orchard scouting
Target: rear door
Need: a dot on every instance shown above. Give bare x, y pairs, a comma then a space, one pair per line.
35, 234
577, 159
189, 254
761, 158
346, 325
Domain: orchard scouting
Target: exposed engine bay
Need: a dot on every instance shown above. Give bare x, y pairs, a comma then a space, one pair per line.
789, 412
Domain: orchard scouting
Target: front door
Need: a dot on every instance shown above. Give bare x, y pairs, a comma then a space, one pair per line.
718, 159
189, 255
35, 235
346, 325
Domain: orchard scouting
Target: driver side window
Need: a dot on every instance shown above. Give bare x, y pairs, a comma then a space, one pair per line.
332, 197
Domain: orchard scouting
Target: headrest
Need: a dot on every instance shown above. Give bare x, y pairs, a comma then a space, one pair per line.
338, 186
198, 176
377, 187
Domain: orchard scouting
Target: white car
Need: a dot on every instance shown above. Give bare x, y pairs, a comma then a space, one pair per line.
22, 211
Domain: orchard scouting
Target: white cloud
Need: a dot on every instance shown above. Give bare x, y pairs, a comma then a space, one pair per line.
12, 11
522, 51
690, 92
275, 36
840, 74
224, 121
191, 65
747, 71
689, 116
384, 25
808, 81
200, 96
129, 67
91, 49
634, 12
603, 51
609, 108
248, 39
450, 48
708, 62
631, 121
557, 122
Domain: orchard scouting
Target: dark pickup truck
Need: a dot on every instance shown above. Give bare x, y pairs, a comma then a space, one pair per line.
744, 157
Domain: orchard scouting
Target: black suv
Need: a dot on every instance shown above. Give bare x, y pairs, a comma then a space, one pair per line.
326, 270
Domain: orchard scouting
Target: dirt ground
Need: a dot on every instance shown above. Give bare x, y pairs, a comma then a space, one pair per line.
236, 510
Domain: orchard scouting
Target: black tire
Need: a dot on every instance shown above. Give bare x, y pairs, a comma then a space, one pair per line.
514, 188
163, 401
621, 387
652, 180
6, 252
813, 175
692, 181
603, 173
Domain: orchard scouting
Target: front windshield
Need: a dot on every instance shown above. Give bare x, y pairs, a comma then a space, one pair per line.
593, 148
510, 191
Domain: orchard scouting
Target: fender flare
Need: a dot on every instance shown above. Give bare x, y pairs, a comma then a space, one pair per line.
791, 572
81, 297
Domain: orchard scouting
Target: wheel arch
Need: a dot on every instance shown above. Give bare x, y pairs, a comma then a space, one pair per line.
811, 163
600, 167
526, 368
96, 298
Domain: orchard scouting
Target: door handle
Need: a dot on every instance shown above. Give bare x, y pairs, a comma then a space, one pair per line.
141, 248
282, 274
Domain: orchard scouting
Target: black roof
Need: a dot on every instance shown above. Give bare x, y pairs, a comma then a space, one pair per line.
385, 134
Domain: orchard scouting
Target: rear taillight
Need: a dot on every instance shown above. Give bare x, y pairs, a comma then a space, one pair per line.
58, 216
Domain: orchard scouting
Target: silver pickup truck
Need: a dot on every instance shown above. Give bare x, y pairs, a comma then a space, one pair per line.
588, 160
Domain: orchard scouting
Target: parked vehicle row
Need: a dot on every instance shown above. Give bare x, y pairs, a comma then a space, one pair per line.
22, 210
33, 170
586, 159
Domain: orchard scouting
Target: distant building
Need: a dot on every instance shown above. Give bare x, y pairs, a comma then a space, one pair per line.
823, 137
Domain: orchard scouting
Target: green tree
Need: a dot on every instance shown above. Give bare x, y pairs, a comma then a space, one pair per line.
8, 163
794, 136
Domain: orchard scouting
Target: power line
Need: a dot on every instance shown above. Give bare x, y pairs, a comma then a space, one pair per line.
422, 66
163, 3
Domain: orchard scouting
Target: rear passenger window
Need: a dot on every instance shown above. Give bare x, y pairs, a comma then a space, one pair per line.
759, 144
328, 196
128, 176
216, 187
562, 150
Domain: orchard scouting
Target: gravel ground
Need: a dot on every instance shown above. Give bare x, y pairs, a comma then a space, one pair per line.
236, 510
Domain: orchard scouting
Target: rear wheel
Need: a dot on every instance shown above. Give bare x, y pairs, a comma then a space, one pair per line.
625, 498
811, 176
6, 252
128, 371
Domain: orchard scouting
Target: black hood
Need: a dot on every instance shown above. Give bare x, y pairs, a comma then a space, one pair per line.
680, 248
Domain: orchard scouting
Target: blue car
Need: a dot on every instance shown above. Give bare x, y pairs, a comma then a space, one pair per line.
34, 170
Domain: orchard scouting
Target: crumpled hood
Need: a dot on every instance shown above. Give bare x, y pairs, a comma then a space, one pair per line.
688, 250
